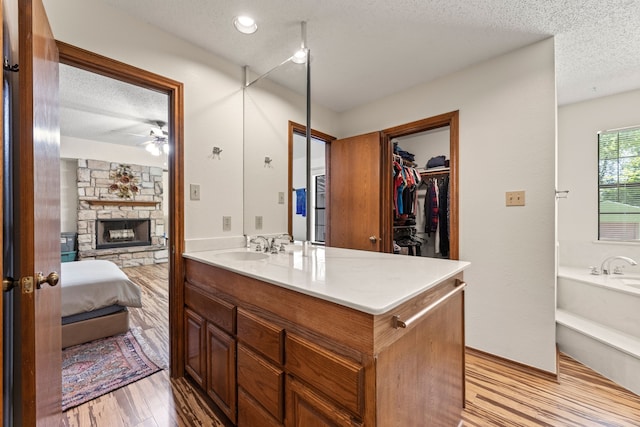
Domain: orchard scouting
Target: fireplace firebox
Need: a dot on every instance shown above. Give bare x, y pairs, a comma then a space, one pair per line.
121, 233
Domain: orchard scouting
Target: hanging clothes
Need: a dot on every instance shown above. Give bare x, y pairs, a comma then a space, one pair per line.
431, 208
301, 201
444, 216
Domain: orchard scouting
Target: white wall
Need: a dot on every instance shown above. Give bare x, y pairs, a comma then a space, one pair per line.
212, 102
68, 195
426, 145
76, 148
213, 114
507, 142
578, 125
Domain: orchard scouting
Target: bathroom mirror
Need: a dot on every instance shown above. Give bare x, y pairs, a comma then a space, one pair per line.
270, 103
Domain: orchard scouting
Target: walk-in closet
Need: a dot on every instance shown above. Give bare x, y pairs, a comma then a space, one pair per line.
421, 193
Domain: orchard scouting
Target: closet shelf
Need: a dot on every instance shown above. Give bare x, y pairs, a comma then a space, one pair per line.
435, 172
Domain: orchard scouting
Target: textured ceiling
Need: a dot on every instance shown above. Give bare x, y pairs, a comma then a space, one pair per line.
363, 50
367, 49
100, 108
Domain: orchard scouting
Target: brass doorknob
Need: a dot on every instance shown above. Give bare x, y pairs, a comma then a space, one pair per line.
373, 239
52, 279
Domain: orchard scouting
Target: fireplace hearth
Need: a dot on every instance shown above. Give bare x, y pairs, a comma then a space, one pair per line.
122, 233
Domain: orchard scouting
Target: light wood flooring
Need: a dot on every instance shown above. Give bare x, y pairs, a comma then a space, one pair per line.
497, 393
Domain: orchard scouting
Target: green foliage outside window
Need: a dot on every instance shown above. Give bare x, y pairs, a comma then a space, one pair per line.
619, 184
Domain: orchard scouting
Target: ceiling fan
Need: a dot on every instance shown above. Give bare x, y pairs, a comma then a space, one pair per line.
159, 142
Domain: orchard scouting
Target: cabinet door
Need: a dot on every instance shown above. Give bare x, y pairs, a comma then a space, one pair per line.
194, 347
354, 203
262, 380
306, 408
221, 370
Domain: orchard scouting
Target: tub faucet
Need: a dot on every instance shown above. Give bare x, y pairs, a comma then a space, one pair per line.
605, 267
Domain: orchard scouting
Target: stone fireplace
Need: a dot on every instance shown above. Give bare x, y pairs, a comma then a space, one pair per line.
129, 231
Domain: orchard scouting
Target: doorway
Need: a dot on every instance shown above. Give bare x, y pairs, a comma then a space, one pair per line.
82, 59
306, 214
447, 120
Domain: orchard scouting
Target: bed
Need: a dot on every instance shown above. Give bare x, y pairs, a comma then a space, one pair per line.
95, 297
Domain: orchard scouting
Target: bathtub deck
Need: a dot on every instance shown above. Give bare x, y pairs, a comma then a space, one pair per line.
597, 320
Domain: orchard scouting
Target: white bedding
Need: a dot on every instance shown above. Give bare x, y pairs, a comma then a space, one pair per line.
92, 284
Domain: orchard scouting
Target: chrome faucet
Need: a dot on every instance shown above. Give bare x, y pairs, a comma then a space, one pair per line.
605, 267
258, 247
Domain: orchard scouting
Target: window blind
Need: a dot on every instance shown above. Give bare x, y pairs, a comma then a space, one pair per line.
619, 185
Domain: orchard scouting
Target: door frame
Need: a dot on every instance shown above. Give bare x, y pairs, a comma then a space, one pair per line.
86, 60
450, 119
301, 129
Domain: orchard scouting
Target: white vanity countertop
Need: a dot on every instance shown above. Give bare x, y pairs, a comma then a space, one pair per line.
371, 282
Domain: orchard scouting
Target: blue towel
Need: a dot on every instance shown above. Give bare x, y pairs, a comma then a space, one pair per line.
301, 201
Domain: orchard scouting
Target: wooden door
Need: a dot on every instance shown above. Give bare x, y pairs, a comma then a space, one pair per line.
2, 242
36, 227
355, 193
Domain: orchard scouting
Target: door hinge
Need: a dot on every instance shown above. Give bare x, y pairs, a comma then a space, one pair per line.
25, 283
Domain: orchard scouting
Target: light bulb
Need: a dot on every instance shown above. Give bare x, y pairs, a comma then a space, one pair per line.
165, 148
245, 24
300, 57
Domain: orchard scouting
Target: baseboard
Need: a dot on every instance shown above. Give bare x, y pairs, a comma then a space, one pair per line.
540, 373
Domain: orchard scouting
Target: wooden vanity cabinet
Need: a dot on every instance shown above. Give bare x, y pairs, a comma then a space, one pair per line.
260, 369
305, 361
195, 362
210, 347
305, 407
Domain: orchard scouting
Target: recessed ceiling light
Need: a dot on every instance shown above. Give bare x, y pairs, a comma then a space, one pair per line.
245, 24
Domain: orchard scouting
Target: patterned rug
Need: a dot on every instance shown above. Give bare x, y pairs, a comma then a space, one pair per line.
102, 366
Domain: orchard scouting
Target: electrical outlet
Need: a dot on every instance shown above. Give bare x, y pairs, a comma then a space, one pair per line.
258, 222
194, 191
226, 223
281, 198
515, 198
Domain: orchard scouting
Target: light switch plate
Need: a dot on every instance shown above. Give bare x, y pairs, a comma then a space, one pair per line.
194, 191
515, 198
281, 198
258, 222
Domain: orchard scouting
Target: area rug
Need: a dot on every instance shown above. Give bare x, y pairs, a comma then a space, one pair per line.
96, 368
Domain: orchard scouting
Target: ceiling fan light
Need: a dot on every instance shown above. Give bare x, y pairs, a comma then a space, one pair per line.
149, 147
245, 24
165, 148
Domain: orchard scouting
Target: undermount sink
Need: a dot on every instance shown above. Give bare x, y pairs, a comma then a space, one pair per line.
242, 256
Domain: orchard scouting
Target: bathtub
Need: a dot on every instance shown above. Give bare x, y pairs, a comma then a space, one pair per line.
598, 322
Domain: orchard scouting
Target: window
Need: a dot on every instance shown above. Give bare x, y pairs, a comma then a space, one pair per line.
619, 185
319, 209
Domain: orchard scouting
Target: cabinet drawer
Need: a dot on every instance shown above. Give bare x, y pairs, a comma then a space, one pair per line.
215, 310
337, 377
263, 336
261, 380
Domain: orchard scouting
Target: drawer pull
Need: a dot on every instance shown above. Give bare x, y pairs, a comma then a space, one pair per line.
397, 323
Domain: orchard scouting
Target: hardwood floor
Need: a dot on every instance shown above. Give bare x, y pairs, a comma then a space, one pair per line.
497, 393
155, 401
